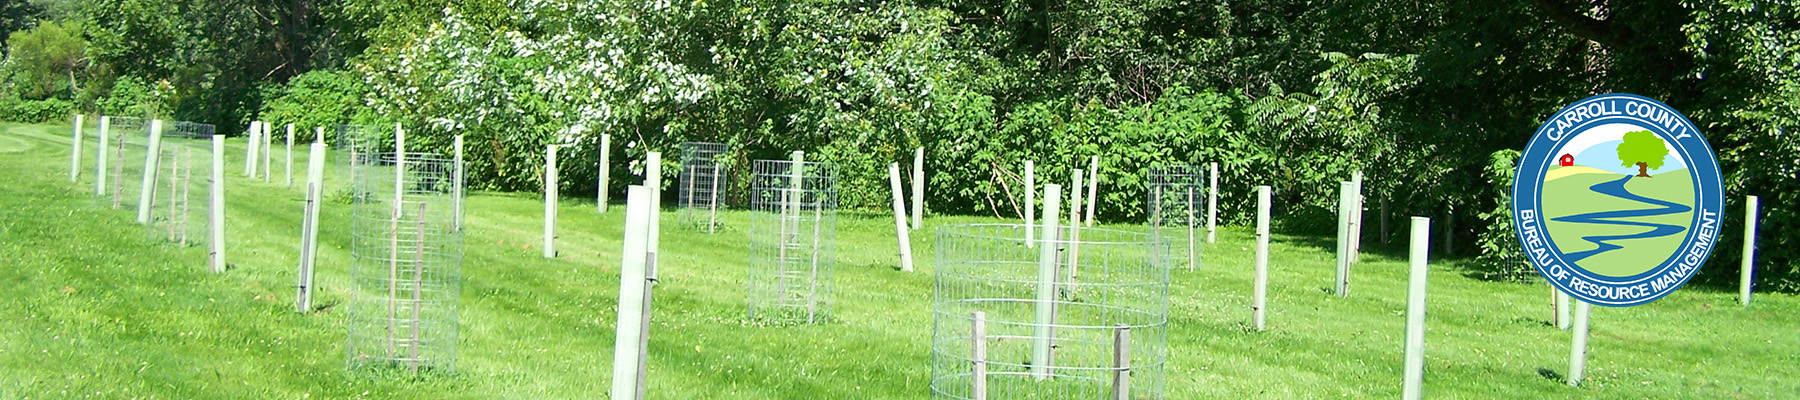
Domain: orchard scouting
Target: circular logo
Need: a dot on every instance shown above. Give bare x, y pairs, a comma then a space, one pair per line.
1617, 200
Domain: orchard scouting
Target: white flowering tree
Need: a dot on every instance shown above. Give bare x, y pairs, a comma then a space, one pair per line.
551, 71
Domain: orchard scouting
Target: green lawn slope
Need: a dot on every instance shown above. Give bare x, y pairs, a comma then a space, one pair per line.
1568, 194
91, 309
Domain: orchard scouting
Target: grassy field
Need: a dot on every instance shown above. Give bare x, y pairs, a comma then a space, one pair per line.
91, 309
1566, 193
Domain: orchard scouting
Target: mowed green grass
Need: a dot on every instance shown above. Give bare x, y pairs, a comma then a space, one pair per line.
91, 309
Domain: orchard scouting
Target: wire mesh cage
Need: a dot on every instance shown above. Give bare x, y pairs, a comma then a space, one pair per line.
127, 145
702, 185
1177, 195
406, 260
793, 237
179, 206
362, 141
1053, 326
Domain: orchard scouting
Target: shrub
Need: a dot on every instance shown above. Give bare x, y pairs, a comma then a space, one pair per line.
37, 111
1501, 257
324, 98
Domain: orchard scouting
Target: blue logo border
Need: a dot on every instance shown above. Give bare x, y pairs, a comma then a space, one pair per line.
1542, 150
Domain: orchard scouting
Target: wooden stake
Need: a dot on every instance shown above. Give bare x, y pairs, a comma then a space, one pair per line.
174, 193
900, 231
418, 287
812, 278
119, 173
1121, 376
187, 185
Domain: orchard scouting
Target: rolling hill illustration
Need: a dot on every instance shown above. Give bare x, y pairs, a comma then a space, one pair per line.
1622, 202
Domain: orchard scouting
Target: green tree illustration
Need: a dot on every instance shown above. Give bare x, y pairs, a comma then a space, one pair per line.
1643, 149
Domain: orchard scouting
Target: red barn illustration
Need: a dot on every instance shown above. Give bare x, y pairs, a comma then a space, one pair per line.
1566, 160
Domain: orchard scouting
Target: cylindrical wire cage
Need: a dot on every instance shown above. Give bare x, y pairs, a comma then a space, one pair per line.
179, 208
406, 260
360, 140
792, 242
1175, 210
128, 142
702, 185
1049, 341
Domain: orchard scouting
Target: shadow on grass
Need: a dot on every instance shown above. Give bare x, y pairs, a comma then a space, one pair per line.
1548, 374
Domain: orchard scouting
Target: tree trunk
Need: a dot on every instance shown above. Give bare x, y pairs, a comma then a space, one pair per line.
1643, 170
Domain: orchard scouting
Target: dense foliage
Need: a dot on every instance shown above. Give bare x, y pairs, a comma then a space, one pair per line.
1418, 94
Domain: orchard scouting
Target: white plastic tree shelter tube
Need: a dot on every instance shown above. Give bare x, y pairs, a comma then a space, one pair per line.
289, 172
456, 201
605, 171
250, 142
1343, 238
267, 150
152, 159
75, 152
1747, 269
550, 193
216, 207
100, 157
1046, 286
1093, 189
1578, 347
1415, 309
309, 225
1356, 216
1030, 201
1259, 305
1075, 225
628, 351
1212, 204
900, 231
918, 186
653, 180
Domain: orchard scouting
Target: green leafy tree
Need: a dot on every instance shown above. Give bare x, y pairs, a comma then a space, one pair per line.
50, 58
1643, 149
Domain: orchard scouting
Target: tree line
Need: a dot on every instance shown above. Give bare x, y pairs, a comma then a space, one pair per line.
1427, 97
